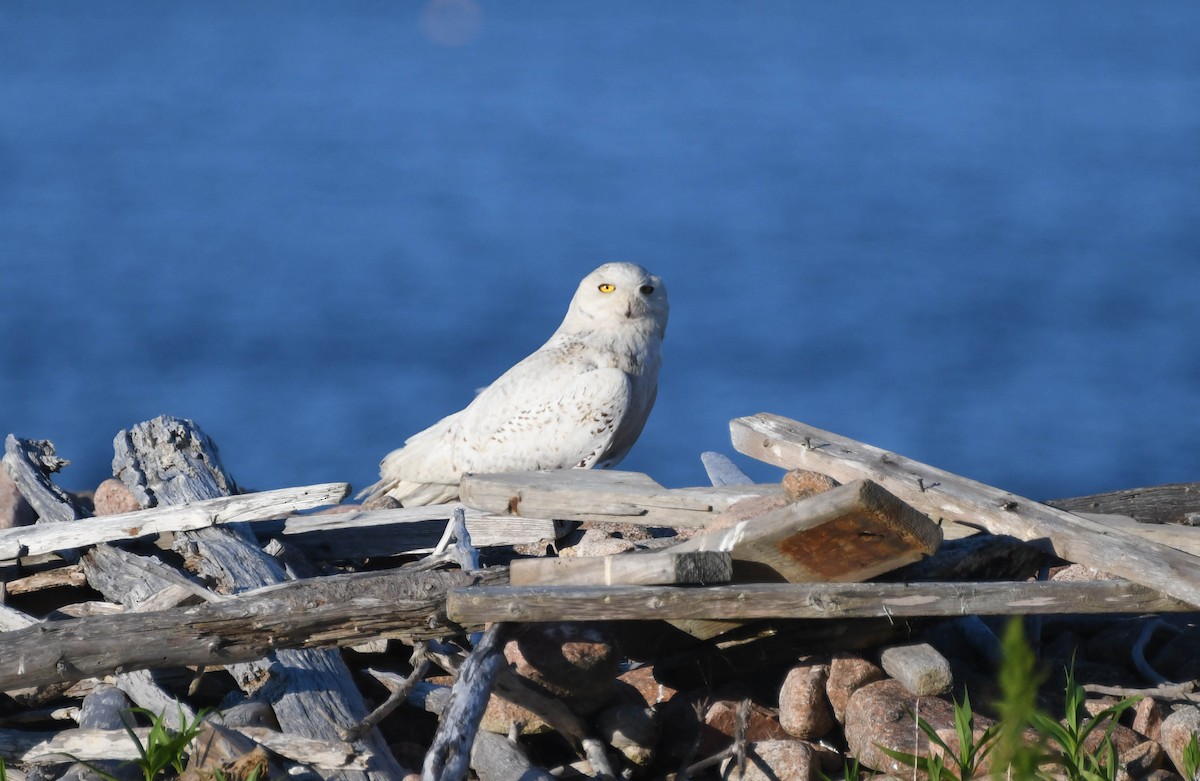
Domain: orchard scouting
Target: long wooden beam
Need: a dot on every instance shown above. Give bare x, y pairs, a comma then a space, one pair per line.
47, 538
320, 612
941, 494
481, 604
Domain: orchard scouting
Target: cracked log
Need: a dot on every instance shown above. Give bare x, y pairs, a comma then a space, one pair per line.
330, 611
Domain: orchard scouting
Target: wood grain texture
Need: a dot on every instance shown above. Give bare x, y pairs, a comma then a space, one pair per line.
1176, 503
171, 461
29, 464
601, 494
322, 612
801, 600
941, 494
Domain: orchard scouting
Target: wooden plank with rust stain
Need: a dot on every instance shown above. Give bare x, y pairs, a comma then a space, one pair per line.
847, 534
791, 444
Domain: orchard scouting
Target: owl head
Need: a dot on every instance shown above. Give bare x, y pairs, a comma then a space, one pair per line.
619, 295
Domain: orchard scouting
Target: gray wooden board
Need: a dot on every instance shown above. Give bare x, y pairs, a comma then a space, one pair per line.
746, 602
197, 514
940, 494
401, 531
599, 494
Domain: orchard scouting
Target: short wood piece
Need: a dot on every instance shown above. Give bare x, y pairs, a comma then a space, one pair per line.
600, 494
944, 495
919, 667
625, 569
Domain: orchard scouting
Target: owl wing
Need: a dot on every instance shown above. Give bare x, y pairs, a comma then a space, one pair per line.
552, 416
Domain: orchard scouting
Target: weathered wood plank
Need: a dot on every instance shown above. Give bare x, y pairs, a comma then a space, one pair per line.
330, 611
590, 494
941, 494
801, 600
1184, 538
47, 538
401, 531
849, 533
626, 569
1175, 503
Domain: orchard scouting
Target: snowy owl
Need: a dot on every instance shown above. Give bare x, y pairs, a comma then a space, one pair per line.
579, 401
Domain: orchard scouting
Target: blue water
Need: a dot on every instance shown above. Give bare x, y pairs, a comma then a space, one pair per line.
966, 232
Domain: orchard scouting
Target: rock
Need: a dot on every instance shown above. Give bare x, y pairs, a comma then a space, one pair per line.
1177, 731
1148, 717
848, 673
596, 542
881, 714
113, 497
631, 729
801, 483
804, 709
779, 760
1142, 759
14, 510
383, 502
720, 725
919, 666
501, 717
1079, 572
574, 661
647, 685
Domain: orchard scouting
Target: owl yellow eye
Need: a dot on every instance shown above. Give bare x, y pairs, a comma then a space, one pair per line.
607, 288
646, 289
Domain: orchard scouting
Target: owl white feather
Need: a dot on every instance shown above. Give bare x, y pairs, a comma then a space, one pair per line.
579, 401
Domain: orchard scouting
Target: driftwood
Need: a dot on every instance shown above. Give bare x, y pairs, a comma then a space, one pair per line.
170, 461
29, 464
279, 637
34, 540
361, 534
941, 494
448, 759
747, 602
597, 494
1176, 503
115, 744
335, 610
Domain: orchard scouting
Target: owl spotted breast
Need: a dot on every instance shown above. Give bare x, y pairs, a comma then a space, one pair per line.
579, 401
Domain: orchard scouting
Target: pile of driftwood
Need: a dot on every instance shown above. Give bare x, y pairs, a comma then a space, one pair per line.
574, 623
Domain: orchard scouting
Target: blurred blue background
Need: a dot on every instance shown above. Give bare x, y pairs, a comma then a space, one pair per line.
966, 232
